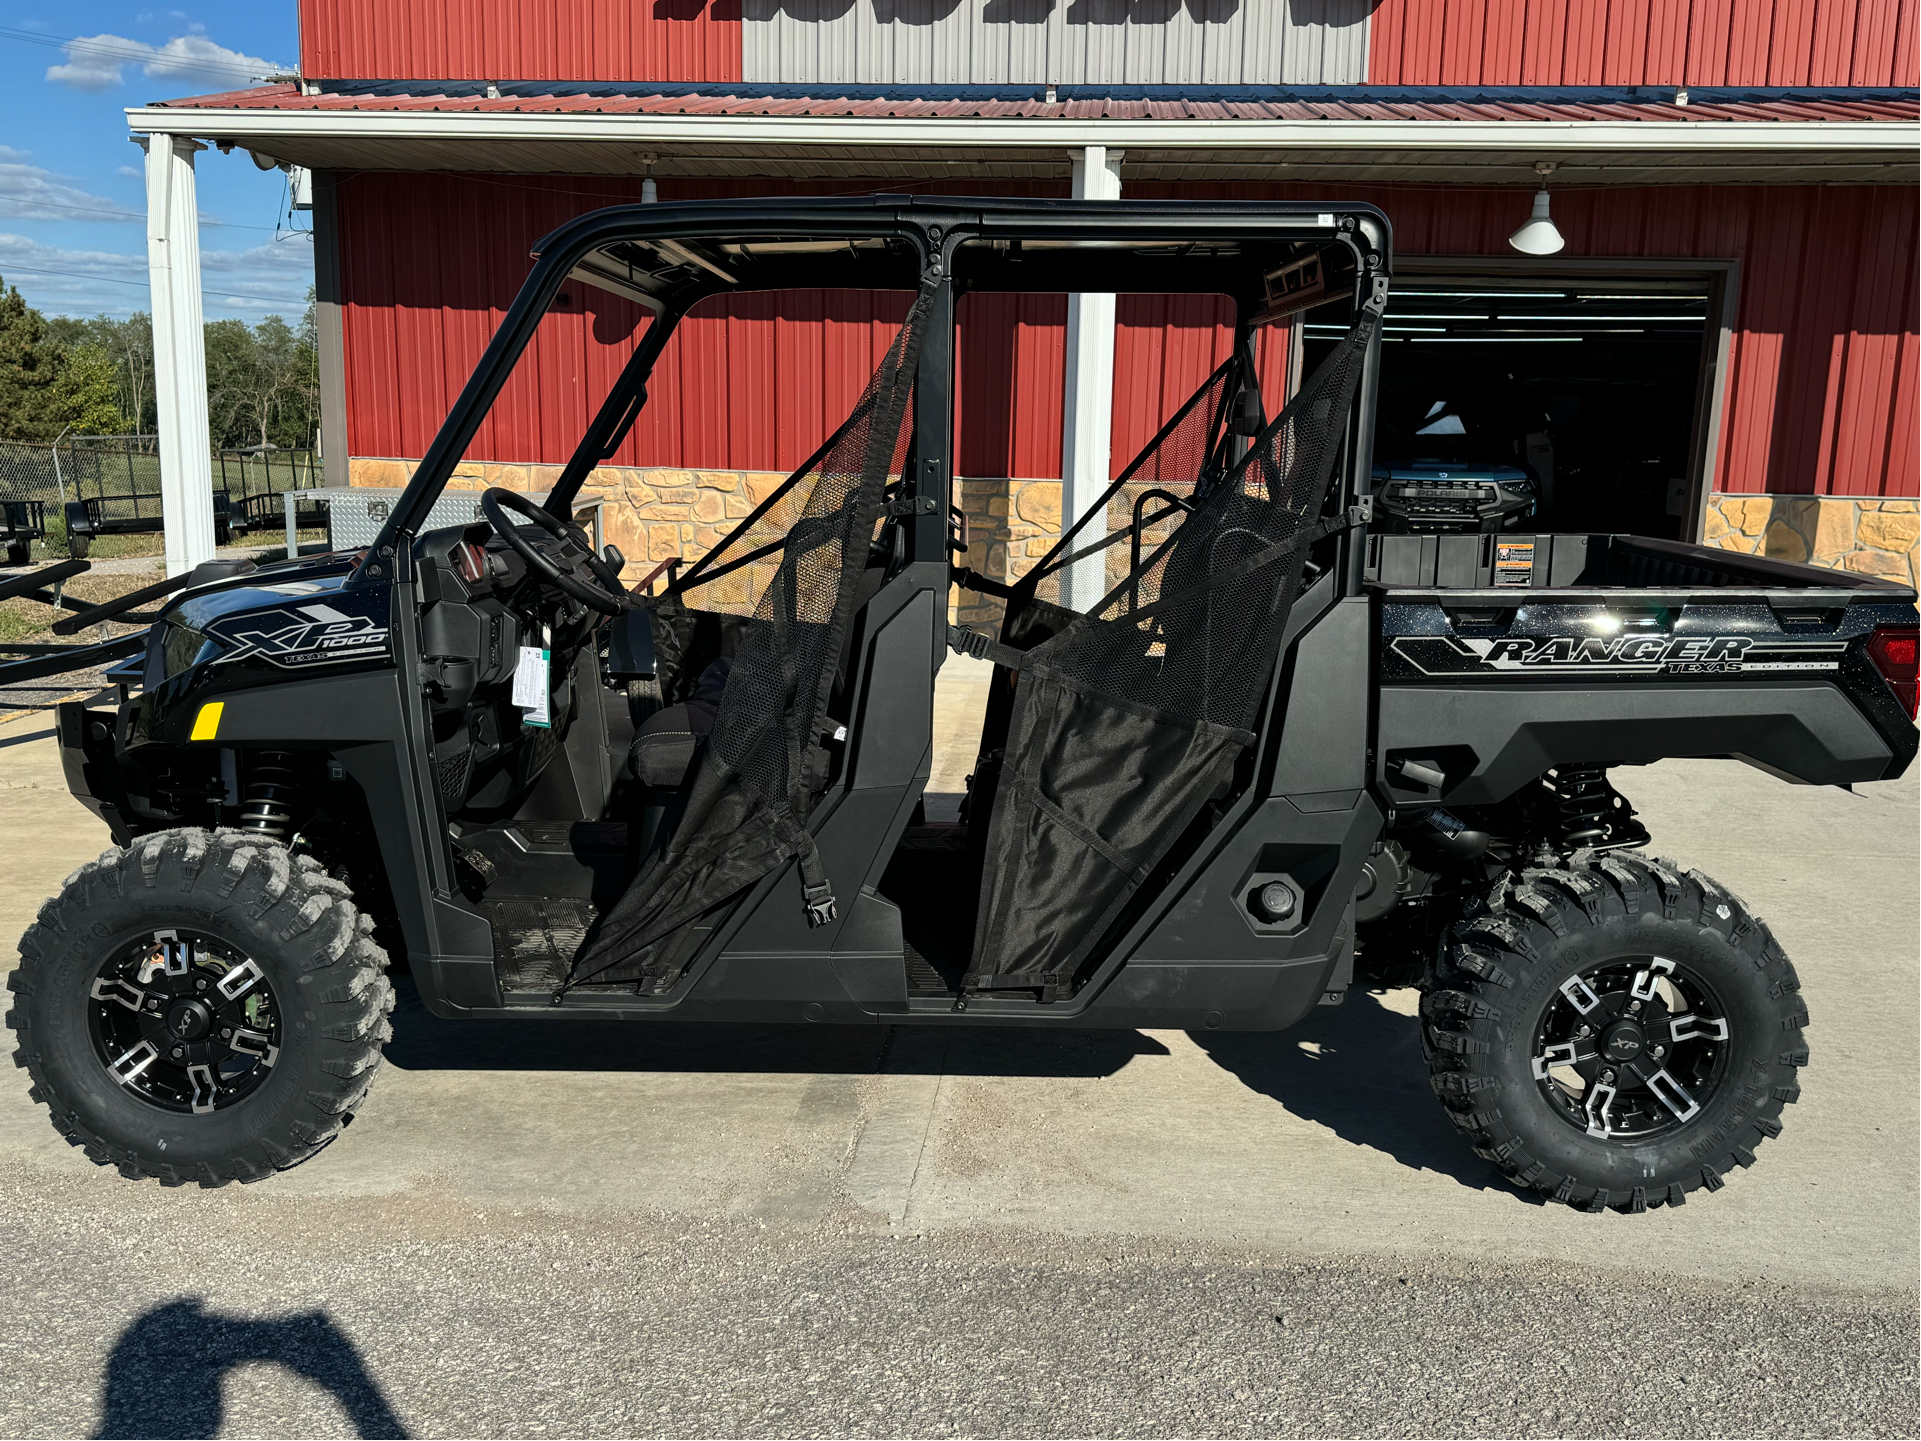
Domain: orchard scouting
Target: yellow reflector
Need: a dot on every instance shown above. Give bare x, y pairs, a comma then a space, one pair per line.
207, 724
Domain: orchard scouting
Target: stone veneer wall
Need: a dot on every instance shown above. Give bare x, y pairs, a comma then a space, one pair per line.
653, 513
1872, 536
650, 513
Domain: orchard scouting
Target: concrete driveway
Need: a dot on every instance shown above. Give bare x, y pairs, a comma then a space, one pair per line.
533, 1229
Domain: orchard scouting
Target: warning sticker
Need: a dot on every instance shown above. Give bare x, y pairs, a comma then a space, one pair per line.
1514, 562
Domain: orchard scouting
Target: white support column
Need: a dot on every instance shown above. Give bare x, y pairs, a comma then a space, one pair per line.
1087, 430
179, 351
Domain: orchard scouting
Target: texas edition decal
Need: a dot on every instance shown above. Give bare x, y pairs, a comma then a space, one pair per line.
1659, 654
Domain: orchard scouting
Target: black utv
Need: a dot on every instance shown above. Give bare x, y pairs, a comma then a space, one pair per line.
1241, 749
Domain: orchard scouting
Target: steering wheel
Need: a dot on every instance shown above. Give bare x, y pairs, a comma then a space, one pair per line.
602, 592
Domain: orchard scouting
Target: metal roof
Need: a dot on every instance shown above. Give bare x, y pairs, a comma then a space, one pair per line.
1394, 103
865, 133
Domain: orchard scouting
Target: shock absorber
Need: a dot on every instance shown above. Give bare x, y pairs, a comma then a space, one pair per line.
1585, 805
271, 783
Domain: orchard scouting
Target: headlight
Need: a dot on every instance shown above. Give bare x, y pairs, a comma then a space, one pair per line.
183, 649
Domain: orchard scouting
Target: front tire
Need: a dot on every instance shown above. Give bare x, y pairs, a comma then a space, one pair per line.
1615, 1034
201, 1006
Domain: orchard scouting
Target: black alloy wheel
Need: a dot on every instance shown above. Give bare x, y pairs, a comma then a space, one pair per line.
185, 1021
1631, 1049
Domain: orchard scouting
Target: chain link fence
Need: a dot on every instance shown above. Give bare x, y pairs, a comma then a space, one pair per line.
122, 474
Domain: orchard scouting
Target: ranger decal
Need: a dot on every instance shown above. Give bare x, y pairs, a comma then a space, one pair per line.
1656, 654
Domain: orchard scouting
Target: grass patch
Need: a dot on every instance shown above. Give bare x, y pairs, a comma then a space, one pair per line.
30, 621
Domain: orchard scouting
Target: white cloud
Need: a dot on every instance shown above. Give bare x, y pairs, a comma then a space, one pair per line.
270, 279
29, 192
98, 62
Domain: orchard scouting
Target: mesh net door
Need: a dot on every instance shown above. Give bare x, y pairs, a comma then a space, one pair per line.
1130, 719
798, 562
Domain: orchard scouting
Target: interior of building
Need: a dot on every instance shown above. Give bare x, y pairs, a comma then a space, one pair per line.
1590, 387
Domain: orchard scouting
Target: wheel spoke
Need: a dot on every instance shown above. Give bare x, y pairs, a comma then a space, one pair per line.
238, 981
126, 1068
1567, 1053
1579, 995
203, 1088
1600, 1098
1697, 1028
1643, 987
170, 956
255, 1043
120, 991
1670, 1093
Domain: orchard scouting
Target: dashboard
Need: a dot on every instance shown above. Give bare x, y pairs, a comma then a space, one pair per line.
479, 605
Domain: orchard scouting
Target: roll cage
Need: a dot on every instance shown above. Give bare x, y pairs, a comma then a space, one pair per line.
670, 257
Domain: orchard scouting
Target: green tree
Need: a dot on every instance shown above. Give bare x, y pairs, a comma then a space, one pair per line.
30, 372
263, 382
89, 392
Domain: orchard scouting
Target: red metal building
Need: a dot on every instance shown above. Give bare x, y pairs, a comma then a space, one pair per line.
1749, 166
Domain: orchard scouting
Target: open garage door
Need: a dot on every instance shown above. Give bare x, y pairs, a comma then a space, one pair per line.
1537, 404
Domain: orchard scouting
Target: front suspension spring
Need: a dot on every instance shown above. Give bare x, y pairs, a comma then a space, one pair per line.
271, 785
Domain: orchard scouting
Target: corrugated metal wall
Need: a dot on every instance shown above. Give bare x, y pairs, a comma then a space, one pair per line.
1136, 42
1068, 42
520, 39
429, 264
1820, 395
1644, 42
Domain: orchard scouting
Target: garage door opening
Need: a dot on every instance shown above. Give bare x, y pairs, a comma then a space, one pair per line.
1562, 404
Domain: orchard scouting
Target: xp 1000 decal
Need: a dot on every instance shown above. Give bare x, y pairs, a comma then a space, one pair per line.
296, 636
1642, 654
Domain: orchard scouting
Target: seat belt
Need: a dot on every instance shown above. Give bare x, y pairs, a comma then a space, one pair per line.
968, 642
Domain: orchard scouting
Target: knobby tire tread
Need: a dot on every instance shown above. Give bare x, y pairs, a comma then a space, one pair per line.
1487, 960
310, 914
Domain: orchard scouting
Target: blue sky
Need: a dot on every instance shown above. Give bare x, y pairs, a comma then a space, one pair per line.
72, 200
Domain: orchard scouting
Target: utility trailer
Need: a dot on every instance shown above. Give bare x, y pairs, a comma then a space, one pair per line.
1239, 751
89, 519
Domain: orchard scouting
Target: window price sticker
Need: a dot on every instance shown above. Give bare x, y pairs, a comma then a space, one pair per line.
531, 691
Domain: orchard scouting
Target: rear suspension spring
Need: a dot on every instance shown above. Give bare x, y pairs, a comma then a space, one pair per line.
271, 784
1590, 813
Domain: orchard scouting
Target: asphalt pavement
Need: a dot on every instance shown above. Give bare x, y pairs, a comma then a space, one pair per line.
537, 1229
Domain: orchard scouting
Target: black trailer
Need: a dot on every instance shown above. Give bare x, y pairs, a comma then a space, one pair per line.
1287, 750
22, 522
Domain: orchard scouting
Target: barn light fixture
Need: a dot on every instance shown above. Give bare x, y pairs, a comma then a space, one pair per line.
1538, 235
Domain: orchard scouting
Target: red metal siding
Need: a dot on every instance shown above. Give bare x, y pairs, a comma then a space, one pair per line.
1643, 42
1820, 392
517, 40
430, 263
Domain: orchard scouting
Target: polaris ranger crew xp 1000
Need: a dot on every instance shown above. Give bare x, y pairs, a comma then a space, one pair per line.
1241, 747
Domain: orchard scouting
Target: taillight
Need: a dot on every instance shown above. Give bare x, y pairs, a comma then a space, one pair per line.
1896, 653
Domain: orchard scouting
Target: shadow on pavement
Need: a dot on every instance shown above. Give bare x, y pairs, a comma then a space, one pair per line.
423, 1042
164, 1376
1357, 1069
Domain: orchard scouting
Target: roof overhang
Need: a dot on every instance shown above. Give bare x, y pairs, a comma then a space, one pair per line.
504, 139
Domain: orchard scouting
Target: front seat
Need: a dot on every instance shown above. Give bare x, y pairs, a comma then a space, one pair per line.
666, 743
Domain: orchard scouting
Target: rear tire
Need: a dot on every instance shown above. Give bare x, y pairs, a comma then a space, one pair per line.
81, 1011
1535, 1087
